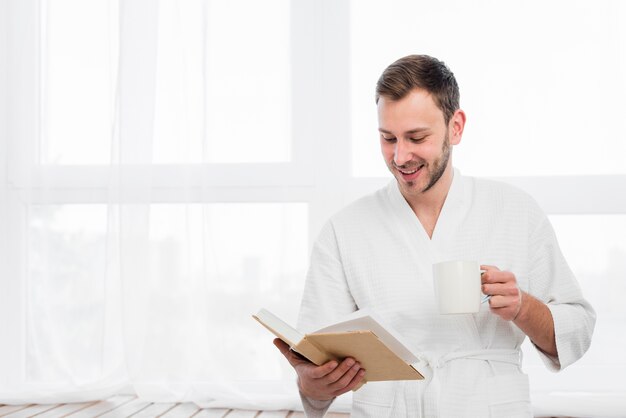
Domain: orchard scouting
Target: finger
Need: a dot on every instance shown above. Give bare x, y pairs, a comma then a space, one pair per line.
484, 276
500, 289
498, 301
488, 268
292, 357
325, 369
285, 349
340, 371
347, 377
282, 346
356, 381
497, 277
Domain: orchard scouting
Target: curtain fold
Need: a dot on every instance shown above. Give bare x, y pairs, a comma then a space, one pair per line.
123, 274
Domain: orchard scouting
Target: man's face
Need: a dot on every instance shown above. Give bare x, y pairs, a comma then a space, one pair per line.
414, 141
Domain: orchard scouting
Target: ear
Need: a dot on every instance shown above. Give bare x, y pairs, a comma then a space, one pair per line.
456, 126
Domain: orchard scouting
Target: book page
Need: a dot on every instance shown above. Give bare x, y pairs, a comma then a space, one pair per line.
365, 320
278, 327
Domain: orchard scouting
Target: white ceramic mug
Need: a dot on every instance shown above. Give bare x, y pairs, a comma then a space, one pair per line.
457, 287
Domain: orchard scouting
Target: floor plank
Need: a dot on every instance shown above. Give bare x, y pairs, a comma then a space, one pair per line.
127, 406
160, 409
242, 413
126, 410
103, 407
212, 413
8, 409
64, 410
181, 410
32, 410
273, 414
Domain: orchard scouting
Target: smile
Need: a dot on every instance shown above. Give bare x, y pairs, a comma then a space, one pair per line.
408, 172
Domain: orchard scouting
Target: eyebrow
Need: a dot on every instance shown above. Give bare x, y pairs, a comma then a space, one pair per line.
412, 131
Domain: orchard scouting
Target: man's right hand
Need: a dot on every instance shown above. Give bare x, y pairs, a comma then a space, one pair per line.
326, 381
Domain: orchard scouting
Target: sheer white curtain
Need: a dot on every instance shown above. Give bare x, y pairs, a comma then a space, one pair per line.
141, 220
164, 166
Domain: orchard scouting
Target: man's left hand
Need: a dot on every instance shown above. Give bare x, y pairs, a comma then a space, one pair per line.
506, 296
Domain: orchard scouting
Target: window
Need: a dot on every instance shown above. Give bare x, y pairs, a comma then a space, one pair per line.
222, 96
541, 102
151, 140
255, 127
596, 252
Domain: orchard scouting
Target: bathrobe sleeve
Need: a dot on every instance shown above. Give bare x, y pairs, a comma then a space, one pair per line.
552, 281
326, 298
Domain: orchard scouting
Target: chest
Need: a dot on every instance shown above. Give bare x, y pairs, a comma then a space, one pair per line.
388, 266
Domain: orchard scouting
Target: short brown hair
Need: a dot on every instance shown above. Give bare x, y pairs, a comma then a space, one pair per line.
423, 72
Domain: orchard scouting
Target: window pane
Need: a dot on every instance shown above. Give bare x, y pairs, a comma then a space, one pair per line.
222, 93
223, 82
66, 291
250, 246
595, 249
539, 102
186, 306
237, 258
79, 64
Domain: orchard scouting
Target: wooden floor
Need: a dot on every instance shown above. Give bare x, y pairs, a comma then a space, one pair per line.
123, 406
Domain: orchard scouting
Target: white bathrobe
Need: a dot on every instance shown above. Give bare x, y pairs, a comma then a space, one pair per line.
375, 254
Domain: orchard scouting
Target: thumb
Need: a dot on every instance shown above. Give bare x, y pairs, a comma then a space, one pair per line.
293, 358
282, 346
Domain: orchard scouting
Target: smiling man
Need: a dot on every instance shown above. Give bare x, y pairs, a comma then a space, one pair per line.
378, 254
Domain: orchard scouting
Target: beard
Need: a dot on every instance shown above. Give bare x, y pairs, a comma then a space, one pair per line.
438, 166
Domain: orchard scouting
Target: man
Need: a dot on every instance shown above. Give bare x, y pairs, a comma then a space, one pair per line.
378, 254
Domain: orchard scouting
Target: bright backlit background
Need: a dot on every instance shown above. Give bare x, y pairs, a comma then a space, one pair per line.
165, 166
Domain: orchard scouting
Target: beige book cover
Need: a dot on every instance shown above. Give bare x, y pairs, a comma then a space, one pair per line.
361, 336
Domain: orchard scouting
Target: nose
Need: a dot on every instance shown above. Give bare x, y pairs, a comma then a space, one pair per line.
402, 152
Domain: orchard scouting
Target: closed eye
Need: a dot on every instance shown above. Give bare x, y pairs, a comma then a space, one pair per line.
417, 140
388, 139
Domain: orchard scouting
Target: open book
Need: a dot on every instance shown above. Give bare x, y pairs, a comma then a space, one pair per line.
361, 336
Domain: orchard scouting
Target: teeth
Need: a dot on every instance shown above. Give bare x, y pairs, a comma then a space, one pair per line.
410, 172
